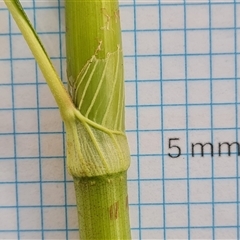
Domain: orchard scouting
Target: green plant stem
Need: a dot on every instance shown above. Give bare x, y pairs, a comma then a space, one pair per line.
103, 207
94, 60
95, 76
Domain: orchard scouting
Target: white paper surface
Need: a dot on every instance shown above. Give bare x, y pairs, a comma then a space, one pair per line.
182, 83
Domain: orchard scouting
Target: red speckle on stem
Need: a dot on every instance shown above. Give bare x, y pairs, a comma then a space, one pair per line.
127, 201
114, 209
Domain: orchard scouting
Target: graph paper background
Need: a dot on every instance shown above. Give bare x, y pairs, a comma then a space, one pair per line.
182, 81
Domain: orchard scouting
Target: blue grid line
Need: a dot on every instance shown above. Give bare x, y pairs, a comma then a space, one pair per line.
138, 30
141, 106
123, 5
187, 127
180, 29
190, 178
144, 56
133, 81
211, 112
14, 129
133, 180
139, 56
183, 54
131, 204
133, 106
236, 113
162, 124
185, 228
181, 80
133, 155
172, 4
39, 137
143, 228
137, 117
37, 230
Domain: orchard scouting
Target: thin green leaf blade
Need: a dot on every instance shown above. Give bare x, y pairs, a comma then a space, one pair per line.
61, 96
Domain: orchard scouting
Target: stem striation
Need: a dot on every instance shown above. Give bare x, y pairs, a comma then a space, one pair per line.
103, 207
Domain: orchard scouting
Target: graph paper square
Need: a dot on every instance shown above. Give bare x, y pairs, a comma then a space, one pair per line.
144, 98
198, 67
152, 167
199, 117
148, 12
221, 91
200, 191
152, 216
198, 42
8, 122
200, 168
150, 142
176, 191
147, 115
50, 190
222, 17
226, 234
5, 49
147, 69
29, 218
172, 16
6, 74
153, 192
152, 234
201, 215
178, 92
194, 16
22, 99
10, 222
7, 146
28, 170
175, 215
203, 233
224, 61
173, 62
225, 167
19, 47
226, 214
176, 233
29, 194
150, 49
224, 41
53, 218
32, 149
181, 82
175, 169
7, 166
11, 200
